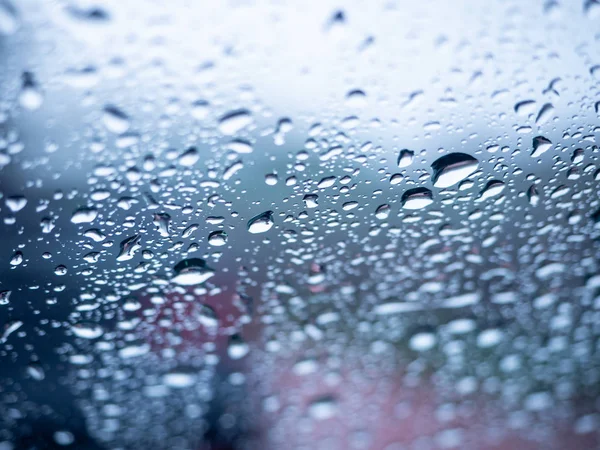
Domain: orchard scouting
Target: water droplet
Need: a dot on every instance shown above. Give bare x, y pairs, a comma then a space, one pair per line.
540, 146
189, 157
491, 189
16, 203
9, 18
311, 200
356, 98
239, 146
31, 97
234, 121
237, 347
261, 223
533, 196
84, 215
545, 114
36, 372
200, 109
405, 158
271, 179
217, 238
326, 182
128, 248
10, 328
382, 212
115, 120
323, 408
179, 380
417, 198
60, 270
87, 330
191, 272
16, 259
208, 317
162, 221
453, 168
422, 342
525, 107
5, 297
94, 234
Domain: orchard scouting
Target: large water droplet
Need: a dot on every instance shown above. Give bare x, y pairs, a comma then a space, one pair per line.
261, 223
545, 114
540, 146
234, 121
191, 272
115, 120
453, 168
128, 247
417, 198
217, 238
237, 347
31, 97
87, 330
16, 203
9, 18
405, 158
84, 215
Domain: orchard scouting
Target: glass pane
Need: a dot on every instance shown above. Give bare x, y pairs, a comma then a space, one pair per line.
252, 224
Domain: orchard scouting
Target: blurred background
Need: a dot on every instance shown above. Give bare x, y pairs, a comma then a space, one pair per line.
253, 224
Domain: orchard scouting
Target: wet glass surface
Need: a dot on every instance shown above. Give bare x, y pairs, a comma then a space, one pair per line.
299, 225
